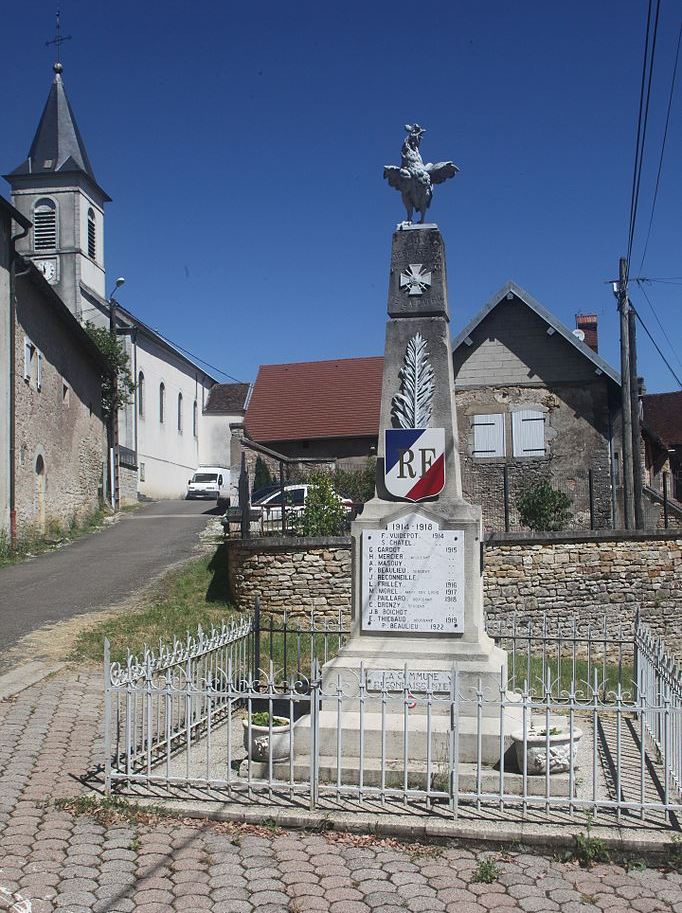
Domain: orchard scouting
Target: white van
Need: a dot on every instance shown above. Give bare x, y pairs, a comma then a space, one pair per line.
211, 482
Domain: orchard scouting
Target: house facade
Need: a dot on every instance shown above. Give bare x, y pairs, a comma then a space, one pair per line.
535, 402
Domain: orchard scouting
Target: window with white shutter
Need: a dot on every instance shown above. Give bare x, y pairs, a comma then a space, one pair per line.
29, 350
488, 435
39, 373
528, 433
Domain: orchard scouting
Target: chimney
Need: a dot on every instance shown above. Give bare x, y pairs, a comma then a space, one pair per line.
588, 324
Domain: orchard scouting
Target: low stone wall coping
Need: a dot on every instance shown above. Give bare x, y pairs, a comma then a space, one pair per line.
583, 535
286, 543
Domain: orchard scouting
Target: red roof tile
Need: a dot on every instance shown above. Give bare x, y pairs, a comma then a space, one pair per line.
316, 399
663, 415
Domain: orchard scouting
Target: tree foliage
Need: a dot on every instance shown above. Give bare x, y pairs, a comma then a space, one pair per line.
543, 508
262, 476
357, 484
118, 384
323, 514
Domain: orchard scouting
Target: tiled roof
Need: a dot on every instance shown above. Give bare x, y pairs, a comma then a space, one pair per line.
316, 399
226, 399
663, 415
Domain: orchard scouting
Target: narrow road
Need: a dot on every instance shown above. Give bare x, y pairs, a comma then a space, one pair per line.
98, 570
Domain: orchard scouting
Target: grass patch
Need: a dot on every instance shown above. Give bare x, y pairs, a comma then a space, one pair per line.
194, 595
35, 541
561, 674
486, 872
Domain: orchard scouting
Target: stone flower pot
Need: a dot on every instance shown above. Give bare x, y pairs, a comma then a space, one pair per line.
560, 752
262, 746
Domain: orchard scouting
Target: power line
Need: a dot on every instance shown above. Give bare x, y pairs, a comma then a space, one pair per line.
658, 321
642, 121
665, 137
180, 348
656, 346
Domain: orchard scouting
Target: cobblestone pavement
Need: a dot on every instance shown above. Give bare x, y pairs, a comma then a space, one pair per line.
78, 864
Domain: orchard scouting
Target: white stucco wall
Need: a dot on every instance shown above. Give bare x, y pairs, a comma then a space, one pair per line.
167, 456
214, 439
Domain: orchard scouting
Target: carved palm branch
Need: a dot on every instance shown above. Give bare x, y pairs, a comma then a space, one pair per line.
411, 407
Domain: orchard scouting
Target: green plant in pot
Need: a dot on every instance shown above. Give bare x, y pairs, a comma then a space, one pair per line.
267, 736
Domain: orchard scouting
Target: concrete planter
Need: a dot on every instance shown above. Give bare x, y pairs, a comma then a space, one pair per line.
561, 756
262, 746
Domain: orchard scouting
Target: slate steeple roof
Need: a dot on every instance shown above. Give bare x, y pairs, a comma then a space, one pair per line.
57, 145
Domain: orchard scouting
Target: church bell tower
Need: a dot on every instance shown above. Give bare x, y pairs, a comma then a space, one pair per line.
55, 187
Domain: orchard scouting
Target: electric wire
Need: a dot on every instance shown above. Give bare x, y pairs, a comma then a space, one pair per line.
656, 346
180, 348
658, 321
642, 122
663, 144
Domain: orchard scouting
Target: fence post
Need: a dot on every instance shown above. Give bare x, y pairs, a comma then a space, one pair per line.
282, 498
107, 718
256, 643
505, 486
590, 482
665, 500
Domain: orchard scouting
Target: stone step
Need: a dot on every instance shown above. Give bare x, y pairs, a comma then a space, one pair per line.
417, 777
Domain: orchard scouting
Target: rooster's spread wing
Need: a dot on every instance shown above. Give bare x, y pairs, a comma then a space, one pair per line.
397, 177
441, 171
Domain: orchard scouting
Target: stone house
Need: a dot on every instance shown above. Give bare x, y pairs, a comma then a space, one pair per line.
662, 417
534, 400
53, 445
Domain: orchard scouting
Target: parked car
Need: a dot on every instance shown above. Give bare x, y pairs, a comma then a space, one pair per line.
266, 504
212, 483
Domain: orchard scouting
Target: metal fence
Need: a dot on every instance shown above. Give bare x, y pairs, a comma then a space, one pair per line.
589, 719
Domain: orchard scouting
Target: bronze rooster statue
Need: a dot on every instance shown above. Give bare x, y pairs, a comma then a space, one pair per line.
413, 178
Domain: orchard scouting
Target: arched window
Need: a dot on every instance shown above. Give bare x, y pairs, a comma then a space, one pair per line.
140, 394
180, 412
194, 418
92, 245
162, 401
45, 225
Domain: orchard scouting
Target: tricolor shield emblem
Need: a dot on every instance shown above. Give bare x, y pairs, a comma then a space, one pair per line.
414, 467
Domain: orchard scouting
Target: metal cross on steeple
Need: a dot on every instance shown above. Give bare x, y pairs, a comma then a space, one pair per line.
58, 40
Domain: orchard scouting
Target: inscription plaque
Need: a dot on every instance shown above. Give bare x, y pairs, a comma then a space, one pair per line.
413, 578
394, 680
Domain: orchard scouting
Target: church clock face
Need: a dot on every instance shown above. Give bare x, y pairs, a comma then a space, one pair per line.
48, 268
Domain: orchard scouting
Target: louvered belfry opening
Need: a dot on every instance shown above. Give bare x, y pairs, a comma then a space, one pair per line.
45, 225
92, 246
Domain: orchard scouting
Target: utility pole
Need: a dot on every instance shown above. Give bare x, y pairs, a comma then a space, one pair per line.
626, 399
636, 429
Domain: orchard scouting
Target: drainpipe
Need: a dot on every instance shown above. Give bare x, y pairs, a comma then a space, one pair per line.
12, 381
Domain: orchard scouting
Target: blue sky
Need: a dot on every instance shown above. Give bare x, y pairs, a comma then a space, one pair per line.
243, 146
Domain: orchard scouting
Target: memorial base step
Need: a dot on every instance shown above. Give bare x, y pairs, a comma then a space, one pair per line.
469, 780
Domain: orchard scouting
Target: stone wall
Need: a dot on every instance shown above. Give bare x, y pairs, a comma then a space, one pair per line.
565, 576
295, 575
60, 435
587, 577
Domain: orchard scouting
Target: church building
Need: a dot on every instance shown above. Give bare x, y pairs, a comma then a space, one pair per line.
56, 190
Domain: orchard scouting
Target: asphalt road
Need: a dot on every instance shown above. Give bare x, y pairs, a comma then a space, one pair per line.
98, 570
